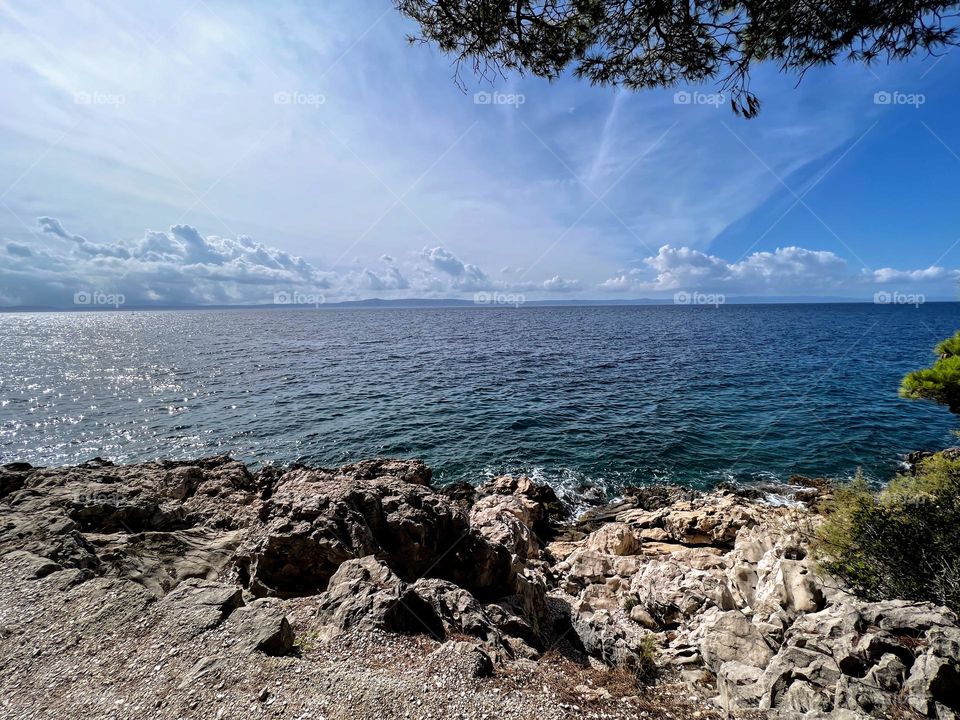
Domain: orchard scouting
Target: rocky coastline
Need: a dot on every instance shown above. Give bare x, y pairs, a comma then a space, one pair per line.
179, 589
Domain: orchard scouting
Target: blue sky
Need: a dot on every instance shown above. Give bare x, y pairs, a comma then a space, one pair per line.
222, 152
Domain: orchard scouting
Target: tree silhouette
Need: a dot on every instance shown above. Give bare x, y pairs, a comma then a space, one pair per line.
665, 42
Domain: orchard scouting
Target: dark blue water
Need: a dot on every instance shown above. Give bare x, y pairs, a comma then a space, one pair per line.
609, 395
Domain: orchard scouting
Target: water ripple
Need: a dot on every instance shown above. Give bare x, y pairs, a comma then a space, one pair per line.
602, 396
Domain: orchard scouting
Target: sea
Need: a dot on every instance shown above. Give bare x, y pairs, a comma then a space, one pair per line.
590, 399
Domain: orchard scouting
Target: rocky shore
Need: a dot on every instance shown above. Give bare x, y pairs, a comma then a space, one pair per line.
201, 589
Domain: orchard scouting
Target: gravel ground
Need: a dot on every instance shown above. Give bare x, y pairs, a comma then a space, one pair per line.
100, 649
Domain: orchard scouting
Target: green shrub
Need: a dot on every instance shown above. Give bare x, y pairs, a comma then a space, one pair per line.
647, 667
941, 381
900, 542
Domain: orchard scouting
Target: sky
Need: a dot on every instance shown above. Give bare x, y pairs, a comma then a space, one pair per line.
207, 152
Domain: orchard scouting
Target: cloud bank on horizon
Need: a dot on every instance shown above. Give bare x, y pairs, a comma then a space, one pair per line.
183, 267
295, 148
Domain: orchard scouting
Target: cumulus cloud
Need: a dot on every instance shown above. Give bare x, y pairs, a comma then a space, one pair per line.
16, 249
459, 275
559, 284
181, 266
391, 279
52, 226
786, 270
890, 275
788, 267
623, 281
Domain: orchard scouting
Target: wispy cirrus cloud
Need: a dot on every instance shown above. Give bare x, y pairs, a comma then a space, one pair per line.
294, 123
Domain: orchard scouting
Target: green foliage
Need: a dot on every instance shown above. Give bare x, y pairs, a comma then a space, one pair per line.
949, 347
939, 382
661, 44
900, 542
648, 653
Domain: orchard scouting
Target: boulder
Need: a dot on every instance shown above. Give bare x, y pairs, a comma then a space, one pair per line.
542, 504
615, 539
789, 585
738, 685
731, 636
199, 605
471, 659
604, 637
316, 520
367, 593
261, 626
459, 611
933, 681
506, 520
584, 566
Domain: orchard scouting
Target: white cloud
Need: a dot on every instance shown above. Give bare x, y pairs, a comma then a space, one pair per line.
789, 270
316, 177
446, 269
559, 284
182, 266
391, 279
624, 281
890, 275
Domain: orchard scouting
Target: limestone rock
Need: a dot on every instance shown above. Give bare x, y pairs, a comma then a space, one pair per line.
411, 471
615, 539
459, 611
704, 520
731, 636
933, 681
366, 592
541, 502
738, 685
506, 520
610, 641
473, 659
316, 520
262, 626
722, 578
200, 605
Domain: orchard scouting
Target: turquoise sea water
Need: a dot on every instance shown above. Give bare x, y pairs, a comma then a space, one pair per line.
612, 396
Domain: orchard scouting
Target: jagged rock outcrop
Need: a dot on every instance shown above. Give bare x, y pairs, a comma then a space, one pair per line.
727, 585
315, 520
372, 541
366, 592
721, 583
